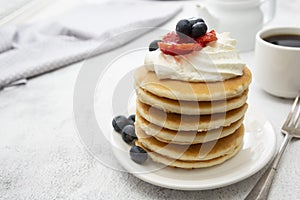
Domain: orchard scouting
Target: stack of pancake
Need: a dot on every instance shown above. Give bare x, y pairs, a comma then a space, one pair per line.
190, 124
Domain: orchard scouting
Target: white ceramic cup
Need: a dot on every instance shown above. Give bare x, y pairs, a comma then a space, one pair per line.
277, 67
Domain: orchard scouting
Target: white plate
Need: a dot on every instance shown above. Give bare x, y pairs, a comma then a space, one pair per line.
258, 148
115, 95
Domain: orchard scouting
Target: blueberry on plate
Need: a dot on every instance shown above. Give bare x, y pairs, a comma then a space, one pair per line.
131, 118
120, 122
194, 20
184, 27
198, 29
154, 45
138, 154
128, 134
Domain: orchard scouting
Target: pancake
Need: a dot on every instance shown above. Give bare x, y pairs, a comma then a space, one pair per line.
192, 91
189, 122
185, 137
195, 152
191, 107
189, 164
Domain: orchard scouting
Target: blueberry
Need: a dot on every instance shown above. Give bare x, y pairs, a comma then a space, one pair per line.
138, 154
184, 27
154, 45
194, 20
198, 29
128, 134
131, 118
120, 122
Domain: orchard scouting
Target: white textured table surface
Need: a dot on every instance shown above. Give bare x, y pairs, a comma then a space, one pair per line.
41, 156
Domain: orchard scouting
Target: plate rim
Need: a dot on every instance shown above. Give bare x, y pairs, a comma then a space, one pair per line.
149, 178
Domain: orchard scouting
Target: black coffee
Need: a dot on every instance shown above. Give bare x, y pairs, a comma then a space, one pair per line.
284, 40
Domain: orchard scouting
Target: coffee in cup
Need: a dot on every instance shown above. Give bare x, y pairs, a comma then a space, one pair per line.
287, 40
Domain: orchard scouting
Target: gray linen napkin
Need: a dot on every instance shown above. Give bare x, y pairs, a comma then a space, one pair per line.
30, 50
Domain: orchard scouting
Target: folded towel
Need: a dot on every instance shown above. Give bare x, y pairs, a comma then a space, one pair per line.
30, 50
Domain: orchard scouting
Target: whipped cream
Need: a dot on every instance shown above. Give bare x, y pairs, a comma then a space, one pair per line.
217, 61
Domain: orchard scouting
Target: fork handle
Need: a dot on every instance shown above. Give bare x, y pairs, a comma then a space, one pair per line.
261, 189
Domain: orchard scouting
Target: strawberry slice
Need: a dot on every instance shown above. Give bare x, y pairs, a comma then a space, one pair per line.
172, 44
207, 38
178, 49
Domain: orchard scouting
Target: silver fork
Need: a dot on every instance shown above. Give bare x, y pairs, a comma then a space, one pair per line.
291, 128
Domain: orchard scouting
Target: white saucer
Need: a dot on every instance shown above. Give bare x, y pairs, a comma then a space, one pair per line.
258, 149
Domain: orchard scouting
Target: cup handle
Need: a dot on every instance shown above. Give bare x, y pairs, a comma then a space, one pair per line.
269, 7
